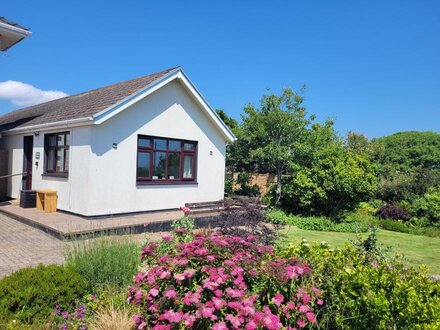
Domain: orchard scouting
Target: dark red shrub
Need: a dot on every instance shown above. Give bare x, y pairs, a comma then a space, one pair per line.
393, 212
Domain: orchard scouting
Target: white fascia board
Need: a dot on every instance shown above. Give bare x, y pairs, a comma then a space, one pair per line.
50, 126
178, 73
14, 30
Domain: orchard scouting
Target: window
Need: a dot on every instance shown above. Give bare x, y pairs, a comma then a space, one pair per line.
57, 153
161, 160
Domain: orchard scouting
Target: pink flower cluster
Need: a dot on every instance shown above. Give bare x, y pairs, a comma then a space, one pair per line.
222, 282
186, 210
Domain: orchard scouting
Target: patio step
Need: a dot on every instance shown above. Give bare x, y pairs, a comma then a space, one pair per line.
205, 205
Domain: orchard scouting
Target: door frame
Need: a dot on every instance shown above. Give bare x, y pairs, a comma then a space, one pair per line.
28, 150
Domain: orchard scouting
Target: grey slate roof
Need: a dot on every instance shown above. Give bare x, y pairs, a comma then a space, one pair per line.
77, 106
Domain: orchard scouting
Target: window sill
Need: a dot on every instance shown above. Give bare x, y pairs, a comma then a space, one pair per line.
55, 175
160, 183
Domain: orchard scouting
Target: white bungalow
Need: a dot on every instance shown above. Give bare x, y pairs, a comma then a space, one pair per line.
151, 143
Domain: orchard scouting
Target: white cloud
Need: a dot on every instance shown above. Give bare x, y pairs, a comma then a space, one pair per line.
22, 94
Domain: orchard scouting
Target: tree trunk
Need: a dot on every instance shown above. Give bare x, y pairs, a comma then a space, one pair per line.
278, 190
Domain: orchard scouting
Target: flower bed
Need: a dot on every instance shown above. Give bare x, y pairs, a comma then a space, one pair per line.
221, 282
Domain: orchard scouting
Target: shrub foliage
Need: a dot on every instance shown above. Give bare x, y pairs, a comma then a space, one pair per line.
393, 212
30, 294
362, 290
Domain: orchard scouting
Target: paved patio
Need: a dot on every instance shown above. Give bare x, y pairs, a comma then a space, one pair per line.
24, 246
65, 226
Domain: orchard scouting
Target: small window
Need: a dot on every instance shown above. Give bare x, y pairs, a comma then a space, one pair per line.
162, 160
57, 153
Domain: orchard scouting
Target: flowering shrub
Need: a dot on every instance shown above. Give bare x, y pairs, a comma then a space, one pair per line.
221, 282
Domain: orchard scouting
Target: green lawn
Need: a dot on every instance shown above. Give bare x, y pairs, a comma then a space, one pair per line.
417, 249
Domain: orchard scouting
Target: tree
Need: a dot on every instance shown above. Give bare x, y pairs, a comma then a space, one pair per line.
229, 121
404, 152
357, 143
333, 182
272, 134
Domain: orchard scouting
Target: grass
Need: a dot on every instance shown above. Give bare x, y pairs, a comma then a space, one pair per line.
105, 261
417, 249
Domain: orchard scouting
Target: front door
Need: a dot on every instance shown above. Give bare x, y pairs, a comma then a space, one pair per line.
28, 146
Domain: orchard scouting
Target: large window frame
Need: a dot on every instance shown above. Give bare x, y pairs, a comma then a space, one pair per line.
153, 147
53, 144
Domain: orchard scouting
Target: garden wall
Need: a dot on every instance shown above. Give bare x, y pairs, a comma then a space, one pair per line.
264, 181
3, 171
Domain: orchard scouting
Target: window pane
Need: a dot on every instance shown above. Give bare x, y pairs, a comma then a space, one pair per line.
189, 146
159, 165
143, 168
144, 142
52, 140
160, 144
59, 167
66, 156
174, 145
188, 166
50, 159
173, 166
60, 139
67, 139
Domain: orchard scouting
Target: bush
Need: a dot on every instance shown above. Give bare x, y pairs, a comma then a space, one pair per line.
229, 187
428, 207
248, 219
393, 212
363, 290
30, 294
315, 223
221, 282
105, 261
409, 229
334, 184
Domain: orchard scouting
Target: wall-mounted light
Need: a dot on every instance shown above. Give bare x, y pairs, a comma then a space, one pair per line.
210, 153
37, 133
115, 146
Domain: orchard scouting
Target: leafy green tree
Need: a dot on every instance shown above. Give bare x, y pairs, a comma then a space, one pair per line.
404, 152
331, 178
335, 182
272, 135
234, 159
357, 143
229, 121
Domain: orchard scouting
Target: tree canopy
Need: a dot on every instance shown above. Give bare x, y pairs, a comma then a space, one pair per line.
407, 151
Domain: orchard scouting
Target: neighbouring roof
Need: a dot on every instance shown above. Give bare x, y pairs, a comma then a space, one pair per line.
4, 20
77, 106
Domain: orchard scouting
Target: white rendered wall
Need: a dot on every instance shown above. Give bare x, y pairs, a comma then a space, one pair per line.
169, 112
68, 200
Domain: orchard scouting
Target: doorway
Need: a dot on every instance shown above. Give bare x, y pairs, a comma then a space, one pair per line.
28, 147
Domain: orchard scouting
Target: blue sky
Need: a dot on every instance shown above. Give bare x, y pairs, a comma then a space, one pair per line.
374, 66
